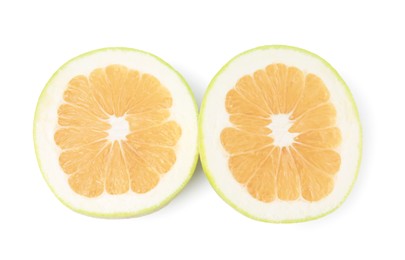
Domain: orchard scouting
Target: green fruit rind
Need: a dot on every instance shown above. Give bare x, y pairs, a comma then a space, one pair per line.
116, 214
201, 146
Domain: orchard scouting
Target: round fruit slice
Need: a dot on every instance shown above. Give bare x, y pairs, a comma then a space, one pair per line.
115, 133
280, 137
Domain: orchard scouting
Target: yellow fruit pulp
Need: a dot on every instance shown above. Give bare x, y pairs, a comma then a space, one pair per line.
94, 158
284, 140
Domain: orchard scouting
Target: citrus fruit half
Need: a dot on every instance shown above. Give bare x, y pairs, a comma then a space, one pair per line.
280, 137
115, 133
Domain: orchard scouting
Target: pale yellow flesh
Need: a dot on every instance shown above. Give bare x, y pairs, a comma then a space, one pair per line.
303, 169
96, 164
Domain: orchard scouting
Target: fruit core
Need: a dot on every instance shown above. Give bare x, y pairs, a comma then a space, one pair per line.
119, 128
280, 125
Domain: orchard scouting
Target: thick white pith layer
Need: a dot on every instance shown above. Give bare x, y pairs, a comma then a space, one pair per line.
183, 111
214, 118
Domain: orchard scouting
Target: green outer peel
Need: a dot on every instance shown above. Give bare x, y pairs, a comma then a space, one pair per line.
203, 157
117, 214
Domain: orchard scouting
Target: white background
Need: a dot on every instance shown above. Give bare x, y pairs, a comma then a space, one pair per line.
361, 40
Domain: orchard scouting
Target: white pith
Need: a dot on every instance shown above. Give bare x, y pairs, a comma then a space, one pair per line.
119, 128
182, 111
215, 118
279, 126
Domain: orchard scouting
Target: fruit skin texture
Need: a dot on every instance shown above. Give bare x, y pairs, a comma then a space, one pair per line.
118, 214
201, 148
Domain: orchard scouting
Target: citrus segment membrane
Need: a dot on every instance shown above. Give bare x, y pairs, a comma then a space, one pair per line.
280, 138
115, 133
114, 97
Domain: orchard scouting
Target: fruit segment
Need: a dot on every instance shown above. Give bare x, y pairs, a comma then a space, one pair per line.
246, 87
71, 137
143, 178
71, 160
303, 168
317, 118
314, 94
321, 138
236, 141
243, 166
165, 134
277, 78
236, 103
150, 96
325, 160
288, 181
97, 160
263, 182
117, 178
79, 93
89, 177
145, 120
252, 124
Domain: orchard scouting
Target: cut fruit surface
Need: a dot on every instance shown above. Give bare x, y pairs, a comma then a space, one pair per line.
280, 138
115, 133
